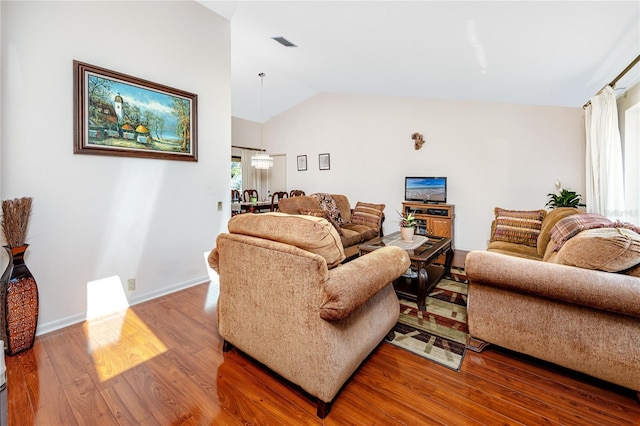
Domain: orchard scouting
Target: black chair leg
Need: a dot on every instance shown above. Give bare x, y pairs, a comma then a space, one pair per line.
323, 408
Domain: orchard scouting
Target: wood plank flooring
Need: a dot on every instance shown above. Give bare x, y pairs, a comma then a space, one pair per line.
161, 363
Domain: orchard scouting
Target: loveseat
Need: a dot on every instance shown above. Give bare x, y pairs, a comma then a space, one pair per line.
287, 300
577, 305
355, 226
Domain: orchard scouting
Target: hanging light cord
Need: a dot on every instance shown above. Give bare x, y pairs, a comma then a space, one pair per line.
262, 160
261, 75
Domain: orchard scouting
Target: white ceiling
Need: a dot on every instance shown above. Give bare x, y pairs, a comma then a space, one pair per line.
526, 52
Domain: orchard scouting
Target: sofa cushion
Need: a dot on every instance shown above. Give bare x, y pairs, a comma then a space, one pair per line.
368, 214
513, 249
518, 226
350, 237
604, 249
365, 232
324, 214
549, 221
313, 234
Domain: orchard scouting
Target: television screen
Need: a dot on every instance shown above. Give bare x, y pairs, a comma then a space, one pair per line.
425, 189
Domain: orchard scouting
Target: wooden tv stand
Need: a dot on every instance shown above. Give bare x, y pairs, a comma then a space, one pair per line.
432, 219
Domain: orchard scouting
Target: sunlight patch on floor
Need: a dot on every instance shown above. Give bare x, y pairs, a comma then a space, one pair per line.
117, 338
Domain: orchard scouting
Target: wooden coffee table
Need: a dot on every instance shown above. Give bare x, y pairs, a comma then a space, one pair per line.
423, 260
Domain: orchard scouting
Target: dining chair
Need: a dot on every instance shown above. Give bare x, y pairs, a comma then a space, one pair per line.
248, 193
296, 192
277, 196
235, 195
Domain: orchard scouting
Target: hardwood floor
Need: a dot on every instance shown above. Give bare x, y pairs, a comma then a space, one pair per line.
161, 363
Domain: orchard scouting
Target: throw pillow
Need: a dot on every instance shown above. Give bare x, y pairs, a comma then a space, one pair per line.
604, 249
572, 225
518, 226
324, 214
548, 223
368, 214
329, 204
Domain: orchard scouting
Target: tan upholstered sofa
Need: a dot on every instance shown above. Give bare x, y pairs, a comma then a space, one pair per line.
536, 301
287, 300
357, 225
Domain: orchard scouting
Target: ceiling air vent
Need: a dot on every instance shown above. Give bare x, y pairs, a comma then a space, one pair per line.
283, 41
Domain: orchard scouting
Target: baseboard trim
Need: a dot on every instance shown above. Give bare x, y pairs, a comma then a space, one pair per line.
50, 326
166, 290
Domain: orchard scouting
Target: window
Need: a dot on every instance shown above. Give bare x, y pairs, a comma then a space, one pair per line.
236, 173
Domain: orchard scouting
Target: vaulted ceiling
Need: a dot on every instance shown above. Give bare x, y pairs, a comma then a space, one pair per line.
525, 52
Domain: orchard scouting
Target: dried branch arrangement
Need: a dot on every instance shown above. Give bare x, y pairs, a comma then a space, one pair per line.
15, 217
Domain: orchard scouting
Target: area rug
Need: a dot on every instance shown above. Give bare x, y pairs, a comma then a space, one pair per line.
438, 334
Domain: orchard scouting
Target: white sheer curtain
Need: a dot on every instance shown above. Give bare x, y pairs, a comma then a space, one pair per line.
253, 178
605, 181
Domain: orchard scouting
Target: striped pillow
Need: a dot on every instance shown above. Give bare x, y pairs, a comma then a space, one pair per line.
368, 214
518, 226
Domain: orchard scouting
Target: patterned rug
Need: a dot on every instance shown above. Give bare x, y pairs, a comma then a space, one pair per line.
439, 333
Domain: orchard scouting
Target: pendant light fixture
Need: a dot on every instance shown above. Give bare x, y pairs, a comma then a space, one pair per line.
261, 160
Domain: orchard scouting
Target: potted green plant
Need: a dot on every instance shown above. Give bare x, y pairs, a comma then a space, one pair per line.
564, 198
407, 225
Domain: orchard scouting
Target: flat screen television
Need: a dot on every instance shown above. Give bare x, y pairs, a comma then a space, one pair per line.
425, 189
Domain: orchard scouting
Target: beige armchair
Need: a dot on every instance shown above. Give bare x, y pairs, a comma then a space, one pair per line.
298, 309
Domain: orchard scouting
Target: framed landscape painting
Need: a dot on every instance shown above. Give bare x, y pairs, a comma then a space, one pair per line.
120, 115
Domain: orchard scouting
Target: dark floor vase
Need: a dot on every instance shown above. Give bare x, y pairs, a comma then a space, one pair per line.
18, 303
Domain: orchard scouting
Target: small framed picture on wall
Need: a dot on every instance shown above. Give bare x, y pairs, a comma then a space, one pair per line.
302, 163
324, 161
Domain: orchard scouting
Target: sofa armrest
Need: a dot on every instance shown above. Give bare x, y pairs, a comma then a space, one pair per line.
350, 285
595, 289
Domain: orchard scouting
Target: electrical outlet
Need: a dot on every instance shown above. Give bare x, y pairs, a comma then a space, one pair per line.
131, 284
219, 206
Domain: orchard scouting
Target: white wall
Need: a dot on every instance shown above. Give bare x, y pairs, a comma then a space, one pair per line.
626, 101
245, 133
278, 174
95, 217
493, 154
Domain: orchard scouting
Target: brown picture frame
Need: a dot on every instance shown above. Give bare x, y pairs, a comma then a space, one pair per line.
116, 114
